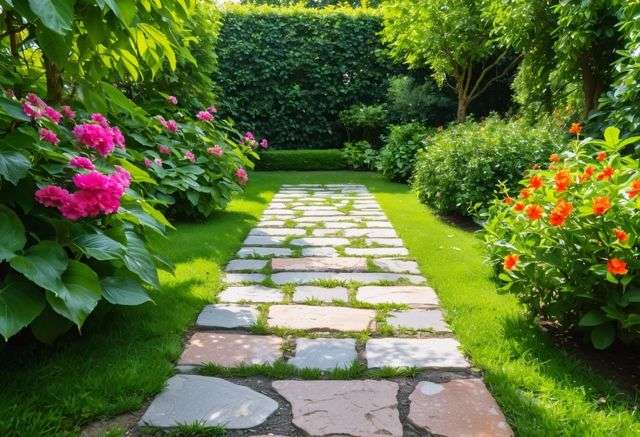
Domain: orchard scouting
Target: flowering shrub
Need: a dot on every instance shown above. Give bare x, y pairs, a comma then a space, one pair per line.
73, 225
567, 242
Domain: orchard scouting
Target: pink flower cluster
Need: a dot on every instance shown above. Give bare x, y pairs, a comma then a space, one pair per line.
148, 162
96, 194
204, 116
165, 150
249, 139
34, 107
242, 176
81, 162
215, 151
212, 109
48, 135
190, 156
172, 100
99, 135
170, 125
264, 144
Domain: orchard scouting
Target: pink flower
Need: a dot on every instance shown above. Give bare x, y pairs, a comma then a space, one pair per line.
36, 101
215, 150
31, 111
164, 150
158, 162
204, 116
248, 136
81, 162
48, 135
212, 109
92, 181
242, 176
170, 125
190, 156
122, 177
96, 137
68, 112
100, 119
52, 196
172, 100
147, 162
118, 138
52, 114
72, 209
264, 143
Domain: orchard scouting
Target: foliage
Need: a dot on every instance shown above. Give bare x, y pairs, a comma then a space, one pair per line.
360, 155
400, 151
364, 122
568, 243
461, 169
409, 101
299, 160
285, 51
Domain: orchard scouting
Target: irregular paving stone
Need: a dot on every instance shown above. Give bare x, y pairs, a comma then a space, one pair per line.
189, 399
414, 352
397, 265
376, 251
324, 353
325, 318
418, 319
238, 265
326, 219
230, 349
375, 233
335, 226
252, 240
394, 242
278, 212
251, 293
315, 208
274, 223
347, 408
247, 252
272, 232
400, 294
322, 213
227, 316
319, 251
345, 264
365, 278
378, 224
305, 292
319, 242
237, 278
367, 213
461, 407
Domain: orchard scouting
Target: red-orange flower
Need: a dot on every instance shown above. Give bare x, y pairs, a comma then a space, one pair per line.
554, 157
616, 266
511, 261
600, 205
560, 213
606, 173
562, 180
588, 172
621, 235
524, 193
508, 200
534, 211
575, 129
601, 156
635, 188
536, 181
518, 207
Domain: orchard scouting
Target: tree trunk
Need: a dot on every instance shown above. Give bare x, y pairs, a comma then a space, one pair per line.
54, 81
463, 104
592, 85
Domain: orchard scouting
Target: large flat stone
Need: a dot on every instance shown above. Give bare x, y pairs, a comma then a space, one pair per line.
275, 232
320, 251
374, 233
327, 219
230, 349
227, 316
253, 240
190, 399
324, 353
376, 251
364, 278
248, 252
238, 278
251, 293
460, 407
315, 208
378, 224
401, 294
418, 319
240, 265
345, 408
319, 242
414, 352
322, 213
324, 318
397, 265
271, 223
306, 264
330, 227
387, 242
323, 294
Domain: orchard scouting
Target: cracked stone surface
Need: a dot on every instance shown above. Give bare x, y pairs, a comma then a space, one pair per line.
324, 353
310, 264
354, 408
323, 318
230, 349
323, 294
418, 319
251, 293
228, 316
414, 352
401, 294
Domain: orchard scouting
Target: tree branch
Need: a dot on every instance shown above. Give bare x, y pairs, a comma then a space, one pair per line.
475, 93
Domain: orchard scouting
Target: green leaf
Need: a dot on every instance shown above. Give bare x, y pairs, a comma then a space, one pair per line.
54, 45
157, 215
99, 246
124, 289
603, 335
13, 109
49, 325
12, 234
56, 15
612, 136
139, 261
43, 264
138, 175
79, 295
13, 166
20, 303
593, 318
125, 10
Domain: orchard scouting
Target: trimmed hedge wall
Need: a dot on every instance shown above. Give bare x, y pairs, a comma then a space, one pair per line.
328, 159
286, 73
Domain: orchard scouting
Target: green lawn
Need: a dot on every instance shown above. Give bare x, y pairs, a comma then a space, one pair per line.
117, 366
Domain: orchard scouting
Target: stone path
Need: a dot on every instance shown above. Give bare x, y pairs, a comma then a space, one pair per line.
324, 289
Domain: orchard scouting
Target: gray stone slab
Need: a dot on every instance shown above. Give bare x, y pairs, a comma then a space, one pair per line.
248, 252
252, 240
414, 352
315, 208
240, 265
378, 224
190, 399
324, 353
238, 278
319, 242
271, 223
364, 278
376, 251
322, 318
304, 293
322, 213
330, 227
276, 232
418, 319
319, 264
251, 293
280, 211
319, 251
397, 265
227, 316
390, 242
373, 233
400, 294
231, 349
327, 219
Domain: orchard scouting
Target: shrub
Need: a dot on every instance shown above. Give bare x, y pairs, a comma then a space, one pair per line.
323, 159
460, 170
410, 101
398, 156
364, 122
360, 155
568, 244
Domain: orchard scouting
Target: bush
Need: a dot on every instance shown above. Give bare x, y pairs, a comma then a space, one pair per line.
568, 245
360, 155
461, 169
364, 122
410, 101
399, 154
327, 159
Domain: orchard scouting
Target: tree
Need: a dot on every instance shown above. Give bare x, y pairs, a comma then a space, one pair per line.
453, 39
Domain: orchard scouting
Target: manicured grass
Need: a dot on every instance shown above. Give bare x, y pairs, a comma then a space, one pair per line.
116, 367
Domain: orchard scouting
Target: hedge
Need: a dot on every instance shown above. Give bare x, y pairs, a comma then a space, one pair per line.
286, 73
328, 159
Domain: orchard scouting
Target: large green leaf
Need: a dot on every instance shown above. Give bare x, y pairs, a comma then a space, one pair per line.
593, 318
20, 303
139, 261
49, 325
56, 15
43, 264
12, 109
124, 289
54, 45
137, 174
12, 235
80, 294
603, 335
13, 165
99, 246
125, 10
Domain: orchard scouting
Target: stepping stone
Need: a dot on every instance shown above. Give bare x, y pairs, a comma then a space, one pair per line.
365, 278
271, 223
277, 205
344, 264
330, 227
347, 408
278, 212
343, 218
418, 319
373, 224
322, 213
367, 213
237, 278
251, 293
376, 251
238, 265
315, 208
272, 232
209, 401
324, 353
319, 251
414, 352
253, 240
366, 232
319, 242
229, 349
461, 407
397, 265
393, 242
320, 318
327, 295
248, 252
227, 316
400, 294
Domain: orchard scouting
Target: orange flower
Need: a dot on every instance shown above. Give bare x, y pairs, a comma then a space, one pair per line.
560, 213
562, 180
518, 207
508, 200
616, 266
554, 157
534, 211
621, 235
511, 261
536, 181
600, 205
575, 129
601, 156
588, 172
524, 193
635, 188
606, 173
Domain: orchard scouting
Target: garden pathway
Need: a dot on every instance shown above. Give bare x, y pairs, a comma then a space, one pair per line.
326, 327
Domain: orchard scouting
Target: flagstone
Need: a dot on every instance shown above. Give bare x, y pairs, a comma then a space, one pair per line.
399, 294
365, 278
393, 242
378, 224
238, 278
248, 252
376, 251
418, 319
253, 240
304, 293
345, 264
316, 213
270, 232
324, 353
279, 211
238, 265
319, 242
230, 349
227, 316
319, 251
397, 265
414, 352
251, 293
324, 318
271, 223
